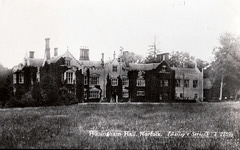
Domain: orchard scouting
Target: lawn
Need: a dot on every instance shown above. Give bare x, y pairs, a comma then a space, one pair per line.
73, 126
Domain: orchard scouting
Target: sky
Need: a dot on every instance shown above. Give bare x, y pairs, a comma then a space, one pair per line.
104, 26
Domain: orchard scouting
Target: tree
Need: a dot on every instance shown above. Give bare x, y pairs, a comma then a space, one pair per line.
131, 57
181, 59
226, 63
152, 55
184, 59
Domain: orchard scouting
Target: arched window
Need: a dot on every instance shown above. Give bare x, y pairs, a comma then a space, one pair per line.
195, 83
69, 77
186, 82
178, 82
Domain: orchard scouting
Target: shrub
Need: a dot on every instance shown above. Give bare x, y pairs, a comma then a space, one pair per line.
28, 101
49, 92
36, 93
66, 97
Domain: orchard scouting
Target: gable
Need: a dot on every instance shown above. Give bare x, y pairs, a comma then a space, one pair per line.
163, 67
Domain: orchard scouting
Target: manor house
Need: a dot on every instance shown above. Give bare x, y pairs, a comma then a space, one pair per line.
113, 80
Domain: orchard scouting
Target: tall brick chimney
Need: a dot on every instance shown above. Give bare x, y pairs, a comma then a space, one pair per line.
163, 56
55, 51
84, 53
47, 49
102, 59
31, 54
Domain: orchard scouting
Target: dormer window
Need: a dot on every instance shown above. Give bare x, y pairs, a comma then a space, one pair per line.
114, 68
163, 69
67, 62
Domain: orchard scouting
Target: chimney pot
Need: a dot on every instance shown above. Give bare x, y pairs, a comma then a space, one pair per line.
31, 54
84, 53
55, 51
47, 49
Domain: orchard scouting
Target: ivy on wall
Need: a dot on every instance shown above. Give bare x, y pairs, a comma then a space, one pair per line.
79, 86
108, 89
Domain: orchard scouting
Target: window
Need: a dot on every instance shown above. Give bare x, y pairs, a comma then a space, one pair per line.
114, 68
163, 69
94, 94
181, 95
186, 83
140, 82
125, 82
85, 93
94, 80
114, 81
63, 78
195, 83
69, 77
14, 79
85, 80
140, 93
67, 62
160, 97
161, 83
125, 94
195, 96
38, 75
21, 78
177, 82
165, 83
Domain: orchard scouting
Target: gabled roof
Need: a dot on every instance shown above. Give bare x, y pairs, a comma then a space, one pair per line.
66, 54
91, 64
96, 64
17, 68
34, 62
186, 70
133, 66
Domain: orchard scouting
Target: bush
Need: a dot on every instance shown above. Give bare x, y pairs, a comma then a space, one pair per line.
13, 102
66, 97
28, 101
36, 93
49, 94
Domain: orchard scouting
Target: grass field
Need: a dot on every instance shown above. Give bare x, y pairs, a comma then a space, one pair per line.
69, 126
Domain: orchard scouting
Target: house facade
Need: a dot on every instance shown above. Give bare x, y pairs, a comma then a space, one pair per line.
110, 81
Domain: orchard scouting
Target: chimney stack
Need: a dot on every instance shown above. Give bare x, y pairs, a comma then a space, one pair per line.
102, 60
55, 51
47, 49
31, 54
84, 53
163, 56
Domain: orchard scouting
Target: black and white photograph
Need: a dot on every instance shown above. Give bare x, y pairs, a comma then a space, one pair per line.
120, 74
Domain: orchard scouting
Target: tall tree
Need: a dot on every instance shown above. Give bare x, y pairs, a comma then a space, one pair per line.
184, 59
131, 57
153, 51
226, 64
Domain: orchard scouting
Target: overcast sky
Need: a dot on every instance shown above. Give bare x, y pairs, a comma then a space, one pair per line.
106, 25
